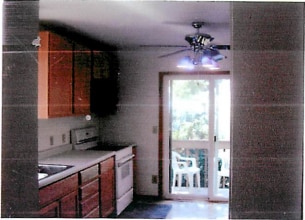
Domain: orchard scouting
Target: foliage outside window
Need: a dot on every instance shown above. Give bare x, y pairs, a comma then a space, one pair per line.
190, 104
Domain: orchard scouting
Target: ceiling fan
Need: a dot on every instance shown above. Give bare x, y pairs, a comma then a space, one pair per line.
200, 44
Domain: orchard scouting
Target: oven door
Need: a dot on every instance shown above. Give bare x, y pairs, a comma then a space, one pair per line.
124, 175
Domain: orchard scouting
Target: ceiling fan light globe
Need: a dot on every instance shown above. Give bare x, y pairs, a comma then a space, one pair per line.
218, 57
214, 68
205, 60
186, 63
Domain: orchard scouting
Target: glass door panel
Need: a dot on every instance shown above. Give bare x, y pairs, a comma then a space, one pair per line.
190, 110
222, 138
189, 135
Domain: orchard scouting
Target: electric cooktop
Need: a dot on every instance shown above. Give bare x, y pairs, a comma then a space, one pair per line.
111, 146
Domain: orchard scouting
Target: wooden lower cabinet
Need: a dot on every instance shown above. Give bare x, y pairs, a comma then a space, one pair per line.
60, 199
107, 185
90, 193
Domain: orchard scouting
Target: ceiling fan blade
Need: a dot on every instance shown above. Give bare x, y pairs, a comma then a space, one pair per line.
170, 54
206, 25
221, 47
160, 45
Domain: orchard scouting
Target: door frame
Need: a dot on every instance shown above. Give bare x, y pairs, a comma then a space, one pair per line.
161, 109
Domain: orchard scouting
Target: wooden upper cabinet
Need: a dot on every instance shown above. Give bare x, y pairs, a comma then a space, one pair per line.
101, 65
54, 76
82, 77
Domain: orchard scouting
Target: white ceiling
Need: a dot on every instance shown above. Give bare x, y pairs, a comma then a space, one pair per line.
128, 24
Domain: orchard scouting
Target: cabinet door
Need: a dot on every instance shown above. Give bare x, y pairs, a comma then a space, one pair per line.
69, 205
57, 190
107, 187
101, 65
104, 84
50, 211
60, 76
82, 77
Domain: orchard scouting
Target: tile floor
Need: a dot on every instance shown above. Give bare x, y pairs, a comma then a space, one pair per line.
195, 209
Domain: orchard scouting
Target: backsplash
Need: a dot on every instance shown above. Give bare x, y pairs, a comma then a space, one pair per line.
55, 132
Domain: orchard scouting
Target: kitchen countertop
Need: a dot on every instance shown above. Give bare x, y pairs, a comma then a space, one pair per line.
78, 159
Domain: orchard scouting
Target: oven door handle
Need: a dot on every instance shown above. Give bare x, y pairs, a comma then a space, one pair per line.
125, 160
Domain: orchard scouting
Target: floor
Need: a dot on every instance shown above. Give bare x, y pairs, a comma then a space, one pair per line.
222, 194
194, 209
198, 210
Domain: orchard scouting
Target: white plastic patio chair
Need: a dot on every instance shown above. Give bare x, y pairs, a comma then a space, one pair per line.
181, 166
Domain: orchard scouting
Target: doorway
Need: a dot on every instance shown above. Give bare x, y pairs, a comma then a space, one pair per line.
196, 136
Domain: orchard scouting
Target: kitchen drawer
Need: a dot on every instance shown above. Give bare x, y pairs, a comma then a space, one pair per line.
88, 174
89, 204
89, 189
107, 164
57, 190
95, 213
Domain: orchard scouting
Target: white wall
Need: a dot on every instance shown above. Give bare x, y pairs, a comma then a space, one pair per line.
56, 127
138, 110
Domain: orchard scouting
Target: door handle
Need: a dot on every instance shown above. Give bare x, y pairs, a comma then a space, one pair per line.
125, 160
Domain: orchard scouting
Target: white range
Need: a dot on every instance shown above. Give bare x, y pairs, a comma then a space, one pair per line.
87, 139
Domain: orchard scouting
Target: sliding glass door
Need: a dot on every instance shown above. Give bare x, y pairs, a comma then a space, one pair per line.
196, 128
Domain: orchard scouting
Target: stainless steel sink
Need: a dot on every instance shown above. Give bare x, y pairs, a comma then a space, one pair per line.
46, 170
42, 175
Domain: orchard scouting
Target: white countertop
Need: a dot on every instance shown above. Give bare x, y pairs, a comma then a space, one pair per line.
78, 159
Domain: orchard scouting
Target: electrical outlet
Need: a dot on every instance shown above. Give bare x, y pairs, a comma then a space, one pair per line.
63, 138
155, 129
51, 140
154, 179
